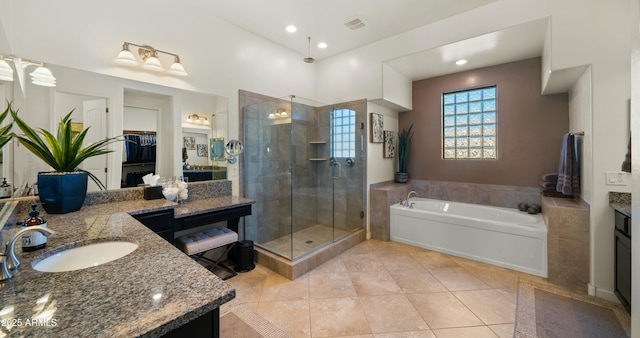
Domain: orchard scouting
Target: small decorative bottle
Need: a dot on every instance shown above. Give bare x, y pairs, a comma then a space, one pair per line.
32, 241
5, 188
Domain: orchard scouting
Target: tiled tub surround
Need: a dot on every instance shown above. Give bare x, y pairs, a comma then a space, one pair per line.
568, 241
385, 194
115, 299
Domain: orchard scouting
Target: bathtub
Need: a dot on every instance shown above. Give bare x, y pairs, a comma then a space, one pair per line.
499, 236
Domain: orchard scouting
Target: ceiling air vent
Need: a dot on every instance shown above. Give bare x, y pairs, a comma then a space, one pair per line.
354, 23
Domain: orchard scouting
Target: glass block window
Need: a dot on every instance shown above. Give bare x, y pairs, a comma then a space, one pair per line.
343, 133
469, 124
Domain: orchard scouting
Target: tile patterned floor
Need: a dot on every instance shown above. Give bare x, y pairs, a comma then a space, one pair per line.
304, 240
387, 289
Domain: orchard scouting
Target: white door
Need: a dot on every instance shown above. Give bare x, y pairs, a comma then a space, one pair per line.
95, 117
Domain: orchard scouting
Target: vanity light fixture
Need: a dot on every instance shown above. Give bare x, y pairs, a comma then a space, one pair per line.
41, 76
278, 114
195, 118
6, 72
149, 56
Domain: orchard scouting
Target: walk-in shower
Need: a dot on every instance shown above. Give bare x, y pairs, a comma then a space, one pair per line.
304, 165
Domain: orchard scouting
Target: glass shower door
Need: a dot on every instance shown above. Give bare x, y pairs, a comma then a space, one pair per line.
347, 169
267, 174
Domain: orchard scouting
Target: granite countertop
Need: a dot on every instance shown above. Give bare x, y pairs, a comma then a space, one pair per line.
202, 206
621, 202
147, 293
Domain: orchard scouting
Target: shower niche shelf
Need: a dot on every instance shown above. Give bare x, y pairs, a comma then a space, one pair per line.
318, 151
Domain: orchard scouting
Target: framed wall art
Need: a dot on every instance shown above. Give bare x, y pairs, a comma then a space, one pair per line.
202, 150
389, 149
376, 128
189, 142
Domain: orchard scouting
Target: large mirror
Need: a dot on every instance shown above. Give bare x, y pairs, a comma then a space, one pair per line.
159, 123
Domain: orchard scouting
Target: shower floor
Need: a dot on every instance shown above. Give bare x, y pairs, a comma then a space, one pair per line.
304, 241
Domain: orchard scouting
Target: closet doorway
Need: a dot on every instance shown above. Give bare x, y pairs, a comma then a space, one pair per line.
88, 111
140, 146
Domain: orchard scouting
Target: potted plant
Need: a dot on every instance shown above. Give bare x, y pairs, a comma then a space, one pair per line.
64, 189
5, 132
404, 140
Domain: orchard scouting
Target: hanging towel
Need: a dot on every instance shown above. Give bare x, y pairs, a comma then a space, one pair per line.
568, 171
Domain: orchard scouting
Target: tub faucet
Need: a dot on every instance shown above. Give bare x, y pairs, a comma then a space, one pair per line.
9, 261
411, 193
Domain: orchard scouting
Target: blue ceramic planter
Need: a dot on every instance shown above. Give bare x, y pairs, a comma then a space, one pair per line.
61, 193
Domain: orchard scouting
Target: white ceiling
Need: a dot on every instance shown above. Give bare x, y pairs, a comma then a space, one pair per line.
324, 21
513, 44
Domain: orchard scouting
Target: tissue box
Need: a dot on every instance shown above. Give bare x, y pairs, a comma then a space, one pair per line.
153, 192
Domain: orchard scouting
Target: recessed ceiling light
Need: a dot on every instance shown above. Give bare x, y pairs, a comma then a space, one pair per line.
291, 29
461, 62
322, 45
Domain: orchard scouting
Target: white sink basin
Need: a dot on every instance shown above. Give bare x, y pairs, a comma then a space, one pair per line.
84, 256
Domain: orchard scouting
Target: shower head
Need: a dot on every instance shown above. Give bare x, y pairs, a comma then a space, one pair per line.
309, 59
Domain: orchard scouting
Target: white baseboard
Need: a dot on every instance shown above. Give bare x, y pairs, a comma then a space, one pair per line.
604, 294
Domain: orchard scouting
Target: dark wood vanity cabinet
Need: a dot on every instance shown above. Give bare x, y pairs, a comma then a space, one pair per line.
160, 222
623, 259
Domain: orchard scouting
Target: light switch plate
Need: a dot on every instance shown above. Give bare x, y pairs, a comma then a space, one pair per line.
616, 178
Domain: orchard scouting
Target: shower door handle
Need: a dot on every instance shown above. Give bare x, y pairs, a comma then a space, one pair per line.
339, 165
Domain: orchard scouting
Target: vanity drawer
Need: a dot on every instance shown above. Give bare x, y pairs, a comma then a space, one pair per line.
623, 223
158, 221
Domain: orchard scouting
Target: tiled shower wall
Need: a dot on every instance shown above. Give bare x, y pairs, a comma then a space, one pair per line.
305, 197
385, 194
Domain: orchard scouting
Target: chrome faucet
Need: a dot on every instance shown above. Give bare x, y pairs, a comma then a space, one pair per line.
412, 192
9, 259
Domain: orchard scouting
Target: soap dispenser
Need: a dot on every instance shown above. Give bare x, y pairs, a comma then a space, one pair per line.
34, 240
5, 189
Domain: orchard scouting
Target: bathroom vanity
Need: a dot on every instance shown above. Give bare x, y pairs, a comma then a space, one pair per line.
154, 291
621, 203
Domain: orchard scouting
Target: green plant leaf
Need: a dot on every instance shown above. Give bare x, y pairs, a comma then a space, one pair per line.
64, 151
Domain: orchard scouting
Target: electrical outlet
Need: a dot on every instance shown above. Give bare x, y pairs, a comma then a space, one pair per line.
616, 178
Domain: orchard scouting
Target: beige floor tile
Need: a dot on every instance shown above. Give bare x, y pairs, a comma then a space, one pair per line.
489, 305
503, 330
392, 313
248, 289
417, 281
291, 316
414, 334
331, 285
337, 317
466, 332
443, 310
374, 283
334, 265
252, 305
511, 294
362, 262
392, 248
434, 260
277, 288
456, 279
495, 277
402, 261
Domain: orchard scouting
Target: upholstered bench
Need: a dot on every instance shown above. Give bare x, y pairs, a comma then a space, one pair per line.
198, 243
